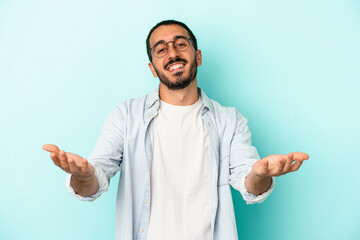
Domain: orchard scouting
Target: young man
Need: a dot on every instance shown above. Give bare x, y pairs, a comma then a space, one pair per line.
178, 152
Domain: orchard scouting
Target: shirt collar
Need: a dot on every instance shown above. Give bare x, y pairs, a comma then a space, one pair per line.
153, 97
207, 101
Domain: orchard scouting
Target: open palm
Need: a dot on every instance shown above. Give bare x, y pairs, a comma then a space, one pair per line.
279, 164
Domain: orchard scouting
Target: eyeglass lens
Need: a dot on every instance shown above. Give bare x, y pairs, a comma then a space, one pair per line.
180, 44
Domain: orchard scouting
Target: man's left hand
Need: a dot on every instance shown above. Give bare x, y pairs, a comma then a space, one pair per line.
259, 178
280, 164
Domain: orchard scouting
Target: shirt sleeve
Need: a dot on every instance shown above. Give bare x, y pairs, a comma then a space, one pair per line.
103, 185
252, 198
108, 153
242, 156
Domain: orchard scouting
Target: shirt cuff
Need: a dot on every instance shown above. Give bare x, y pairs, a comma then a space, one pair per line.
252, 198
103, 185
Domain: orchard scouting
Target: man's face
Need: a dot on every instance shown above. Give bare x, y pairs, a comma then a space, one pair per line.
176, 70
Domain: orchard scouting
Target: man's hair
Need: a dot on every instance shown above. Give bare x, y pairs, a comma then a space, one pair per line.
168, 22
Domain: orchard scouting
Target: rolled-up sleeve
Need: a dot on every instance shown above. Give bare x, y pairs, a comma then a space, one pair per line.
252, 198
107, 154
103, 185
242, 156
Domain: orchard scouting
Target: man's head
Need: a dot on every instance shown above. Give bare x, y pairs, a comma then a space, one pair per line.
167, 23
173, 54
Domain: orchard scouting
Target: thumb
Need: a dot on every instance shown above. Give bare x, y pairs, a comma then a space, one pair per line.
265, 166
262, 167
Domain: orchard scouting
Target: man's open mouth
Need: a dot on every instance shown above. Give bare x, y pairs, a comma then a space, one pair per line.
177, 66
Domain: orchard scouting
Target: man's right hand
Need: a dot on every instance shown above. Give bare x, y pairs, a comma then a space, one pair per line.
83, 179
70, 162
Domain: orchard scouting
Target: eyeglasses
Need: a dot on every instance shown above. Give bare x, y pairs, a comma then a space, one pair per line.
181, 44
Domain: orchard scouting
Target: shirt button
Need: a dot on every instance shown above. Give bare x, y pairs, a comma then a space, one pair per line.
141, 230
147, 105
148, 116
145, 202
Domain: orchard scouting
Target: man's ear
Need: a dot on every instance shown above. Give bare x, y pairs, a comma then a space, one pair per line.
152, 69
198, 58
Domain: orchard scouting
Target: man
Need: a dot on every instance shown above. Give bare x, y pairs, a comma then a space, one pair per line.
178, 152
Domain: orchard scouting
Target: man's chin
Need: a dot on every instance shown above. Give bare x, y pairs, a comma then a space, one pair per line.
177, 84
177, 80
178, 74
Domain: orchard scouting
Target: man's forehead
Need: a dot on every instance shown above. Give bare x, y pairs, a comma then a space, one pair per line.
167, 33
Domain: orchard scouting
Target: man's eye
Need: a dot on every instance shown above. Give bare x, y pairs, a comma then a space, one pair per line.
180, 44
161, 50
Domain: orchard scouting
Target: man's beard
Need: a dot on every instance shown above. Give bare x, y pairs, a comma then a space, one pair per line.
181, 81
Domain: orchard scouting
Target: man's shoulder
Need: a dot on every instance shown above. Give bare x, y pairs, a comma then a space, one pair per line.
221, 108
225, 117
218, 109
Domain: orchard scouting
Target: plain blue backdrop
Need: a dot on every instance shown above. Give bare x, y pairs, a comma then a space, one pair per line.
292, 68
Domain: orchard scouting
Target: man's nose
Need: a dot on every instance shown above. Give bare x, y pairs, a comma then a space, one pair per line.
172, 52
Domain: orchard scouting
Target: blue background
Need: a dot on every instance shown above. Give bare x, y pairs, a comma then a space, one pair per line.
292, 68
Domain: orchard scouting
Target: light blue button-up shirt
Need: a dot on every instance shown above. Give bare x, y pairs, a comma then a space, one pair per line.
125, 145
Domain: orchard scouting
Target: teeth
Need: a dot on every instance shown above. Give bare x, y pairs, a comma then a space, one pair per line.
176, 66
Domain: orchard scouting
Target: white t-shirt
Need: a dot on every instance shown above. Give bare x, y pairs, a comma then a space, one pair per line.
179, 206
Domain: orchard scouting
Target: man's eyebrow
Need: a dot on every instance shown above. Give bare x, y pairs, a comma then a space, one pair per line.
179, 36
157, 43
174, 38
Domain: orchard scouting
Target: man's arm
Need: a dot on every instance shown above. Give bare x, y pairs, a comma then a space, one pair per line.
259, 179
83, 179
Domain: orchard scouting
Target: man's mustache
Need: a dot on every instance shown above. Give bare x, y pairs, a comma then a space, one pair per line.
174, 61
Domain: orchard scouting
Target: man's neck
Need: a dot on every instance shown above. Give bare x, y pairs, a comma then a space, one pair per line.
181, 97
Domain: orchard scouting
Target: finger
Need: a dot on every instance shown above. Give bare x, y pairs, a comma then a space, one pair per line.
77, 159
84, 164
55, 159
50, 148
296, 166
287, 164
63, 160
72, 166
278, 168
300, 156
290, 156
87, 168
